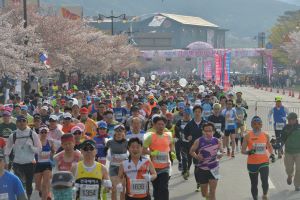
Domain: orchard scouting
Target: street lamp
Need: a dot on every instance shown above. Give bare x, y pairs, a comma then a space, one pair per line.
112, 17
25, 12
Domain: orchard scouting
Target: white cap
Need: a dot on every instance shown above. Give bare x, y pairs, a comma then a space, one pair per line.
198, 102
67, 115
53, 117
44, 108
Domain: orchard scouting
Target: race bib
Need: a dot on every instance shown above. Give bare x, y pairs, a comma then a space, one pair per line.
116, 159
162, 157
218, 126
4, 196
44, 156
279, 126
260, 148
89, 192
118, 115
138, 186
215, 172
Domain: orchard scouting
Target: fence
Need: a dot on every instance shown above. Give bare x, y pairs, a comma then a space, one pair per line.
262, 109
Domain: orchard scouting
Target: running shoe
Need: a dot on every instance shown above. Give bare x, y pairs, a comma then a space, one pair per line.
186, 175
265, 197
198, 189
232, 154
228, 152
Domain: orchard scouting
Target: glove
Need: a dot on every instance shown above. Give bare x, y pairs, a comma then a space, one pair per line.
272, 157
251, 152
107, 183
147, 177
154, 153
119, 187
173, 156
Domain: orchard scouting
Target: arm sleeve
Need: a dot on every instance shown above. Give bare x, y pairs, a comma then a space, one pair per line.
9, 145
270, 114
37, 143
147, 141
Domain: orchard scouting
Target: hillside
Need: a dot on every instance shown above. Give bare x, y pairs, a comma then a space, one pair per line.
242, 17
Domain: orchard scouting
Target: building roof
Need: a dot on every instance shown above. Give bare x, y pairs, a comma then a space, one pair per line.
189, 20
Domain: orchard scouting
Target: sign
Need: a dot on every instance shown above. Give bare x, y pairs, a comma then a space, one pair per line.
218, 69
157, 21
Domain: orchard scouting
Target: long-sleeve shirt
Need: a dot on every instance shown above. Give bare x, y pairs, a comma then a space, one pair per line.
193, 129
24, 147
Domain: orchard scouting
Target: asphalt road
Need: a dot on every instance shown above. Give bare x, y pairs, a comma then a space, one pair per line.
234, 183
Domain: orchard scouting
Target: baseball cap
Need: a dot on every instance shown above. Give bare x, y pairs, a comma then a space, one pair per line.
43, 128
37, 116
292, 115
87, 143
44, 108
24, 107
67, 115
119, 127
21, 117
102, 124
278, 98
76, 128
256, 119
84, 110
6, 113
62, 179
53, 117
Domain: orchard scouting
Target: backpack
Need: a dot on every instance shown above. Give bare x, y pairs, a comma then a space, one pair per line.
15, 136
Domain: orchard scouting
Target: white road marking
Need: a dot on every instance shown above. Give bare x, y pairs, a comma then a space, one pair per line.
271, 185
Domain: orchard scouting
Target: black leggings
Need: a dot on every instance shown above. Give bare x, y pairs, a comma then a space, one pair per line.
25, 171
264, 176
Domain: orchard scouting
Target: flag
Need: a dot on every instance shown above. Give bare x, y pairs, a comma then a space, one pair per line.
44, 59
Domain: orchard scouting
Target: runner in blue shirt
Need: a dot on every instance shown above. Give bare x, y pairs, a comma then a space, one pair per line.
11, 187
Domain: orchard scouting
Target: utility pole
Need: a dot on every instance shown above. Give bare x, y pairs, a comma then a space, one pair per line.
25, 12
112, 17
261, 39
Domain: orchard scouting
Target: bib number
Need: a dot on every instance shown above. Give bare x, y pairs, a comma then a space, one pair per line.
138, 186
162, 157
215, 172
4, 196
279, 126
260, 148
218, 126
89, 192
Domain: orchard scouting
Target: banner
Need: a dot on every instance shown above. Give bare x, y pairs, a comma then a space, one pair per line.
157, 21
226, 71
218, 69
208, 70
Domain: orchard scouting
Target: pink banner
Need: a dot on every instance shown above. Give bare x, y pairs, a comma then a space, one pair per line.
208, 70
226, 74
218, 69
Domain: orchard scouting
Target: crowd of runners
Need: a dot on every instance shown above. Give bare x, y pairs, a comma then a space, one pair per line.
118, 138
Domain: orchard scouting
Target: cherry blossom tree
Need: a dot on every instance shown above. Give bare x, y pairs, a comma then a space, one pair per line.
19, 47
293, 49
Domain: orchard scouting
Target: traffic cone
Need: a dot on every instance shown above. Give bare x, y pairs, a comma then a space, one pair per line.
293, 95
290, 93
277, 90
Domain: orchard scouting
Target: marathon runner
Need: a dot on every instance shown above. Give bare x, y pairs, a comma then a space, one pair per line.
279, 113
257, 146
138, 172
207, 150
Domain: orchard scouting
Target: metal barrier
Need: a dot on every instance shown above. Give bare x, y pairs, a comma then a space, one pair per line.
262, 109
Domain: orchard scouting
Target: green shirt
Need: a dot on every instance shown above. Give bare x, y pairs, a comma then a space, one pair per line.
7, 129
291, 137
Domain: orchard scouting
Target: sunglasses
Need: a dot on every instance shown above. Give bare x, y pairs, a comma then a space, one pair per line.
88, 148
77, 133
101, 128
67, 118
22, 120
